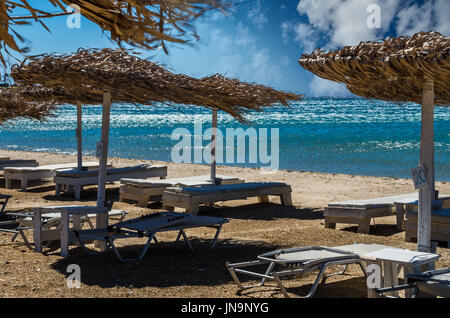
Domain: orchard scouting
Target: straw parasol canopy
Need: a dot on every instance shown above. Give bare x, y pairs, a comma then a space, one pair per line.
12, 106
144, 23
134, 80
391, 70
404, 69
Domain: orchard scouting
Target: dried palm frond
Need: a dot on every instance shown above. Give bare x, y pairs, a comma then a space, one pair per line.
391, 70
144, 23
134, 80
13, 106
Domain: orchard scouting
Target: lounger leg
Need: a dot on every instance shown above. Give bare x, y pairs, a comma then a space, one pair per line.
193, 208
22, 234
13, 238
143, 202
400, 214
219, 228
126, 260
37, 232
235, 268
178, 237
281, 286
147, 245
364, 226
65, 235
77, 192
24, 184
317, 281
58, 188
286, 199
8, 183
329, 224
186, 240
263, 199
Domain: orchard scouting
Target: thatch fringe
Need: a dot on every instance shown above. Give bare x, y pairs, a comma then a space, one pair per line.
13, 106
144, 23
88, 73
391, 70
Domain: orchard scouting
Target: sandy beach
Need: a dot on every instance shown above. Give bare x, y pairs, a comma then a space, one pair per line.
170, 270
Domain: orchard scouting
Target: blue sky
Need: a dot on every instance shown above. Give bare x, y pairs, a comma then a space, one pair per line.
261, 40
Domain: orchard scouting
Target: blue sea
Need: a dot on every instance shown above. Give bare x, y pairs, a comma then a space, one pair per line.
350, 136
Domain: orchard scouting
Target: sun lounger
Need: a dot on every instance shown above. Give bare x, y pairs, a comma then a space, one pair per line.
74, 179
431, 283
25, 174
9, 224
361, 212
3, 158
144, 191
148, 226
440, 221
295, 262
189, 198
18, 163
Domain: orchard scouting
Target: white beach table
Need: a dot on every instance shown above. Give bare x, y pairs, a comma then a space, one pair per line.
390, 259
66, 212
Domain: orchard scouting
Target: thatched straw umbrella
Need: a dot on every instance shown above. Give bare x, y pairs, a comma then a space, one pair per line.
37, 102
404, 69
143, 23
12, 107
121, 77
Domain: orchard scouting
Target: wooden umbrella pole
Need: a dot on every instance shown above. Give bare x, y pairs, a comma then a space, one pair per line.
102, 219
79, 137
103, 152
426, 195
213, 146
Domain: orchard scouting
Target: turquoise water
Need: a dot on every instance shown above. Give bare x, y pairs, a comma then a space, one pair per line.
351, 136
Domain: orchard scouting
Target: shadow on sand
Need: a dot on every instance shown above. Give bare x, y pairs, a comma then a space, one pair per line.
377, 230
166, 264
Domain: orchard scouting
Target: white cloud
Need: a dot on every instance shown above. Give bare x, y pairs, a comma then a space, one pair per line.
344, 22
321, 87
432, 15
285, 29
244, 37
257, 15
303, 33
306, 36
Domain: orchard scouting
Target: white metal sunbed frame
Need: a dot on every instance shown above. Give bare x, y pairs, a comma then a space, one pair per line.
9, 224
25, 174
148, 226
73, 179
295, 262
